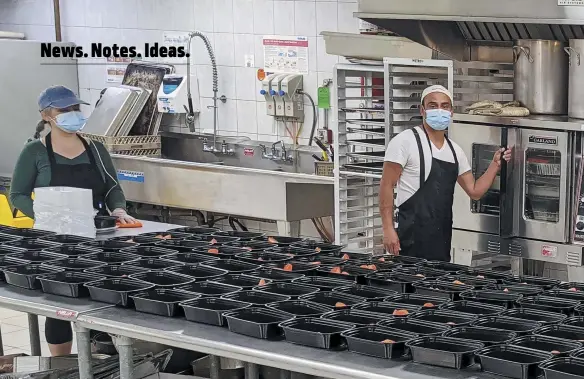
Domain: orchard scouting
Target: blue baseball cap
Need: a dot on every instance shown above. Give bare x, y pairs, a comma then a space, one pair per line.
58, 97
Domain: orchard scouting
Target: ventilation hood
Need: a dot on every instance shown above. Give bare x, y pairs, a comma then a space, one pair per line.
454, 27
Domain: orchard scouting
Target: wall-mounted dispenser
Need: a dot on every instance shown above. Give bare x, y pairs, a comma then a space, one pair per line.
276, 92
289, 90
172, 95
266, 92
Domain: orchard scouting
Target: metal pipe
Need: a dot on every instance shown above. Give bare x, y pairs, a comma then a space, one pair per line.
84, 352
33, 331
214, 367
252, 371
126, 353
57, 15
215, 82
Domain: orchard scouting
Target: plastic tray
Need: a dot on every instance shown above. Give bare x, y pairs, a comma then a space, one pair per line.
72, 251
499, 276
534, 315
246, 282
506, 299
549, 304
300, 308
69, 284
199, 272
210, 289
440, 289
282, 241
354, 316
368, 292
393, 281
563, 368
166, 235
243, 236
255, 245
141, 240
417, 327
26, 276
276, 275
36, 257
263, 257
149, 251
447, 317
511, 361
445, 266
116, 271
545, 283
116, 291
154, 264
163, 279
256, 298
6, 262
426, 302
197, 230
386, 266
74, 264
322, 282
556, 346
472, 307
210, 310
518, 326
215, 240
184, 246
294, 266
377, 341
571, 286
334, 299
26, 233
386, 309
477, 283
5, 250
402, 259
567, 332
261, 323
109, 246
233, 266
424, 273
524, 289
444, 351
318, 246
299, 252
352, 272
578, 353
486, 336
65, 239
294, 290
161, 301
111, 258
223, 252
189, 258
353, 256
565, 294
574, 321
316, 332
7, 237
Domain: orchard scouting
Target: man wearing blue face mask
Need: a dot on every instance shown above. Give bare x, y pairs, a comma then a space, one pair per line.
425, 166
63, 158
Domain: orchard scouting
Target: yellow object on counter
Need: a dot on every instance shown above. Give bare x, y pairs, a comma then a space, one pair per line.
8, 219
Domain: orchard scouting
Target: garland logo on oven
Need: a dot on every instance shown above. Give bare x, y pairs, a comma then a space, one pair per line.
543, 140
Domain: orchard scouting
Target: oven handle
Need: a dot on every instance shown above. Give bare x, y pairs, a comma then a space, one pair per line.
503, 172
506, 193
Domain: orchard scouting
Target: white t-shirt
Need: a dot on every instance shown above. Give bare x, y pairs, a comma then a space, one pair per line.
403, 149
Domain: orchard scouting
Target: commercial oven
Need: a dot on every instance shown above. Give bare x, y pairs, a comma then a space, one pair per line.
531, 208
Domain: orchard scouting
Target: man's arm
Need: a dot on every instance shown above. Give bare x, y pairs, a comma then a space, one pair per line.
475, 189
391, 174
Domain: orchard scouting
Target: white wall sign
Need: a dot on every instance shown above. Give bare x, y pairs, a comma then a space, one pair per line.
286, 54
116, 69
579, 3
175, 39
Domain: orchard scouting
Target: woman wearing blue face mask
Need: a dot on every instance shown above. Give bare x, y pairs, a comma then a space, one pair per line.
425, 166
65, 159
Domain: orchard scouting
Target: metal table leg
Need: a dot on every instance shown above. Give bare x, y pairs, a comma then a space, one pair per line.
84, 352
288, 229
252, 371
285, 374
126, 352
214, 367
35, 339
1, 345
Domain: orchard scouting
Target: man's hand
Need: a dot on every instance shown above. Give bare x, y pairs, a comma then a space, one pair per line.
501, 153
391, 242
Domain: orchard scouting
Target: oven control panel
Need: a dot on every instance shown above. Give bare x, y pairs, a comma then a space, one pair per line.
579, 225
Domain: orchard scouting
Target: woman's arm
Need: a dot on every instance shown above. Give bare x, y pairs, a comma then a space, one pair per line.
116, 198
23, 180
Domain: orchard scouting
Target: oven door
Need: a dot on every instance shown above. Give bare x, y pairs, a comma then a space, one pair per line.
479, 143
544, 199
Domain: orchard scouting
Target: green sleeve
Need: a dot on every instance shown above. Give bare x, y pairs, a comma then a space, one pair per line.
116, 198
23, 179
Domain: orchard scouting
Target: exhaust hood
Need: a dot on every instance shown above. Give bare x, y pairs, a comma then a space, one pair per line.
453, 27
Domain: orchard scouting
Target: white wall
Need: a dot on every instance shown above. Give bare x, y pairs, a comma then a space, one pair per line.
235, 27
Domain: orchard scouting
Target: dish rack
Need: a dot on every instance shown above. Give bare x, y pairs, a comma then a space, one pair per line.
129, 145
374, 103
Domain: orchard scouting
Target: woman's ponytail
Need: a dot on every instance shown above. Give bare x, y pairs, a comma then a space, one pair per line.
39, 129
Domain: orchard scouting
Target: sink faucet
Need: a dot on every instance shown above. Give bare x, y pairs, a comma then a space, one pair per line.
265, 154
212, 149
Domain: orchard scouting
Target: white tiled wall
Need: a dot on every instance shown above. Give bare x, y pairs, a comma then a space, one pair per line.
234, 27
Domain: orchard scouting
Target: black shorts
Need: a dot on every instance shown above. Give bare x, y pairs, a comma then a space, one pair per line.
59, 331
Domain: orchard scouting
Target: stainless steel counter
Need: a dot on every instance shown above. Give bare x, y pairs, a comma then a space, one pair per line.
221, 342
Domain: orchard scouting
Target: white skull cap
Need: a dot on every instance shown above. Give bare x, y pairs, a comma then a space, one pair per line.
435, 89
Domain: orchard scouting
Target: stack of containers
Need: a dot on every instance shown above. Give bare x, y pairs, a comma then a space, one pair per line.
65, 210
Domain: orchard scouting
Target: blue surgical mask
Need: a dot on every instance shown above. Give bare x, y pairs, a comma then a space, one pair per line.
438, 119
70, 122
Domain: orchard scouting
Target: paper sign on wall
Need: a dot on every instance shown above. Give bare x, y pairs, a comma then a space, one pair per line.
286, 54
116, 69
579, 3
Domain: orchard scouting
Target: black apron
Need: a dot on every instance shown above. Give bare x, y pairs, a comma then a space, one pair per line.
85, 175
425, 219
